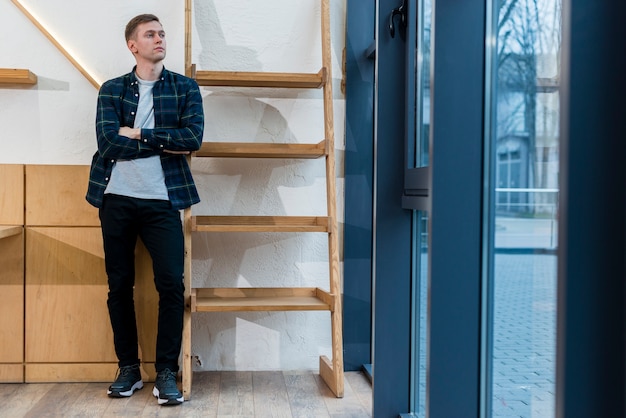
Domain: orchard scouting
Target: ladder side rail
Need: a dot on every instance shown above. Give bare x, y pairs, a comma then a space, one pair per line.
187, 371
331, 198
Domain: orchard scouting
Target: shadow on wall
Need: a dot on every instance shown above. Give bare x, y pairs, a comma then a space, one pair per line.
213, 42
280, 28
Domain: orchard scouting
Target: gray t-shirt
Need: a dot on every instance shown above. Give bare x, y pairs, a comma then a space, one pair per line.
142, 177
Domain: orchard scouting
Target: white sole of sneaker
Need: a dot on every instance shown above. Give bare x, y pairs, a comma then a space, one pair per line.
138, 385
171, 401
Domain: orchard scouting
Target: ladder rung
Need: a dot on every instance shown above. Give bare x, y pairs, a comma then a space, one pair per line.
260, 299
261, 79
261, 150
260, 223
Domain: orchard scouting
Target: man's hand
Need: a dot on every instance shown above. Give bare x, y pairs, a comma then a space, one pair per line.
132, 133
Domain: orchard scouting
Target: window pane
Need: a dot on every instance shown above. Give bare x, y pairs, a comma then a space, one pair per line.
420, 312
525, 141
422, 85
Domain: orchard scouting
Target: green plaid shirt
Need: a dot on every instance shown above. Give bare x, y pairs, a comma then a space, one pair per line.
178, 126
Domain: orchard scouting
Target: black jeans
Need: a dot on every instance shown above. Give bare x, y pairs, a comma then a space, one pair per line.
123, 219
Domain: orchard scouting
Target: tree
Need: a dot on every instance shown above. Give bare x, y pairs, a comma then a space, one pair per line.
528, 48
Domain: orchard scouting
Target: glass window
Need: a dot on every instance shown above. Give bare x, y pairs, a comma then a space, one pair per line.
418, 138
418, 101
524, 139
422, 85
419, 312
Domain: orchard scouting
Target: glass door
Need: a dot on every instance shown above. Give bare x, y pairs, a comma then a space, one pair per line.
523, 148
430, 96
417, 185
419, 314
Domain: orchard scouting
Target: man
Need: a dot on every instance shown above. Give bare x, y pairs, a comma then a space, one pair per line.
147, 120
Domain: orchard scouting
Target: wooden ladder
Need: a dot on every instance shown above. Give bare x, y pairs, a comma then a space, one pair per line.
271, 299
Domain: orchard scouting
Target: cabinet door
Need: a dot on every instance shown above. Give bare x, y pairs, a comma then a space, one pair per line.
68, 333
11, 194
12, 308
66, 290
55, 196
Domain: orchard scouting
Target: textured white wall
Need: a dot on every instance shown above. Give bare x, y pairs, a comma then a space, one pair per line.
53, 123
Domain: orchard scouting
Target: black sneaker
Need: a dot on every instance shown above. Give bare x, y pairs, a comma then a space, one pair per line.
165, 388
128, 380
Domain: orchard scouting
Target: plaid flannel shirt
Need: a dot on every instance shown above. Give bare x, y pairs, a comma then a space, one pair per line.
179, 125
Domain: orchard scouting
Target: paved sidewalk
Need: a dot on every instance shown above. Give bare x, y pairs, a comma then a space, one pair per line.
524, 336
526, 233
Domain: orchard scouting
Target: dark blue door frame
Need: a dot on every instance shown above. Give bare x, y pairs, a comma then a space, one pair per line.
591, 356
591, 312
379, 259
359, 184
392, 226
454, 206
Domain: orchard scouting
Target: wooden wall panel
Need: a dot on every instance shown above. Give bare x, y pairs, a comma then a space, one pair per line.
80, 372
11, 373
66, 290
68, 335
55, 196
12, 307
66, 313
11, 194
74, 372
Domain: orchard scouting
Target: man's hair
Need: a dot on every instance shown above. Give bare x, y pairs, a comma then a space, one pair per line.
131, 27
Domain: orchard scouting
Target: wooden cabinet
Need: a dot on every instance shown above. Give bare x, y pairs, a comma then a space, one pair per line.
11, 273
11, 303
55, 196
11, 194
68, 335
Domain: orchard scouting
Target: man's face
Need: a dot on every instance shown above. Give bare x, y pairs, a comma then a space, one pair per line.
149, 42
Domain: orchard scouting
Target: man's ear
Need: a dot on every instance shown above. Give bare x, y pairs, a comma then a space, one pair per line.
131, 45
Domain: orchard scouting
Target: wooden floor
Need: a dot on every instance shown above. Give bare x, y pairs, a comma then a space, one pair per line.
214, 394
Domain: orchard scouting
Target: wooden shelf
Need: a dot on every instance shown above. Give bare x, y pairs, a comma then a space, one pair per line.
258, 79
282, 298
8, 231
260, 299
17, 76
261, 150
260, 223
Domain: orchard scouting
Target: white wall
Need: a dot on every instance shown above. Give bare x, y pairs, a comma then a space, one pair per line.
53, 123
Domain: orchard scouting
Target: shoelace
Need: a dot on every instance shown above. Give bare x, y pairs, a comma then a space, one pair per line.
124, 371
167, 376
